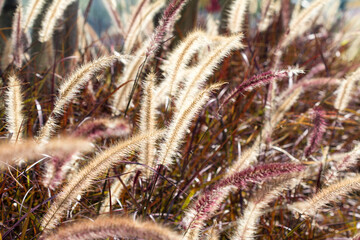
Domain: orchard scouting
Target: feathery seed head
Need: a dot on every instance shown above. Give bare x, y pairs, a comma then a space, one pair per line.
17, 37
318, 130
180, 123
206, 68
103, 128
236, 15
167, 21
177, 62
14, 102
327, 195
33, 9
260, 173
52, 15
211, 199
116, 227
70, 87
259, 80
345, 89
82, 181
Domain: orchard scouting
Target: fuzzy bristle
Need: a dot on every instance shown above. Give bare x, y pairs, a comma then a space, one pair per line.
236, 15
70, 87
14, 115
210, 200
207, 67
84, 178
317, 132
180, 123
33, 9
327, 195
29, 150
345, 89
177, 62
114, 227
52, 15
148, 123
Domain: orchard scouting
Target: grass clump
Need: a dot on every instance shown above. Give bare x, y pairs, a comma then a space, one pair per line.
175, 124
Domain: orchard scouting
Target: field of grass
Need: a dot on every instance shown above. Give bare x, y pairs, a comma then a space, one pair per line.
182, 120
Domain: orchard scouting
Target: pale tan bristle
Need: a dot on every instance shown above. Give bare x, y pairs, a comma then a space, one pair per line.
345, 89
148, 123
177, 62
180, 123
327, 195
52, 15
14, 115
237, 15
70, 88
206, 68
83, 180
115, 227
29, 150
33, 9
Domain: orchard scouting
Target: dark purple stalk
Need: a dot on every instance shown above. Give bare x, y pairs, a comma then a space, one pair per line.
317, 132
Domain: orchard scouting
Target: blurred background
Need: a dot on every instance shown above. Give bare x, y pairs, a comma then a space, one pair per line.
98, 16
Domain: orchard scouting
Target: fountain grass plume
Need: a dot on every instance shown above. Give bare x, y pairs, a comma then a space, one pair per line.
237, 13
246, 225
29, 150
69, 88
14, 106
318, 131
53, 14
301, 22
259, 80
103, 128
206, 68
33, 9
269, 12
112, 227
135, 14
142, 22
120, 99
210, 200
327, 195
17, 37
166, 23
345, 89
341, 162
180, 123
84, 178
148, 123
177, 62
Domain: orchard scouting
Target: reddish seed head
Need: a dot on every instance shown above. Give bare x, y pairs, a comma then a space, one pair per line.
209, 202
317, 132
